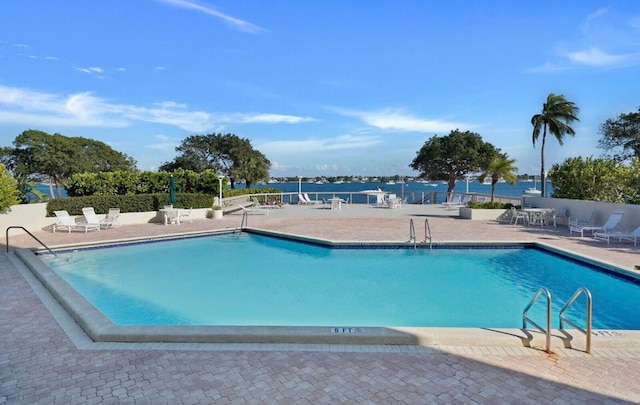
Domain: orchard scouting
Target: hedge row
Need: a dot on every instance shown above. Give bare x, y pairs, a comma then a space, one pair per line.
141, 202
126, 182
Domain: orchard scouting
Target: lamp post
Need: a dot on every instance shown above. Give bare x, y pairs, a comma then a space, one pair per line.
220, 177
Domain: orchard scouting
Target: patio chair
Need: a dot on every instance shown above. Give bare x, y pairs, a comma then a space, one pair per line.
171, 216
633, 236
516, 215
609, 226
186, 213
561, 214
68, 223
91, 218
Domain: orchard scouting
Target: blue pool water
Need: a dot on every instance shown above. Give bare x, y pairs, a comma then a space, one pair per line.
258, 280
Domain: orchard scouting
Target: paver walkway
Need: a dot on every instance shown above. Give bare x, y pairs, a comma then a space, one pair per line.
41, 364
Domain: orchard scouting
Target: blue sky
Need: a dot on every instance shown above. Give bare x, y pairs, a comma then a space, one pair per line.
320, 87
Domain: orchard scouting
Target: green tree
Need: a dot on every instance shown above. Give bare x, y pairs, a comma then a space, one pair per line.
453, 156
622, 133
599, 179
228, 154
8, 190
37, 156
556, 115
500, 167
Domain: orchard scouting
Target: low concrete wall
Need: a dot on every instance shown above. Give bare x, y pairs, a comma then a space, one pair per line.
33, 217
481, 214
602, 210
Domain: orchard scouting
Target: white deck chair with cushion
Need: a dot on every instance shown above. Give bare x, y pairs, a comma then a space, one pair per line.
609, 226
632, 236
91, 218
67, 223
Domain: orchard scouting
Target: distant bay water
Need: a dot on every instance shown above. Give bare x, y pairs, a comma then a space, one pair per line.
413, 190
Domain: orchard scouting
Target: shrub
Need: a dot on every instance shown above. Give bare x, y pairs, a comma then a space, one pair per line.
489, 205
127, 203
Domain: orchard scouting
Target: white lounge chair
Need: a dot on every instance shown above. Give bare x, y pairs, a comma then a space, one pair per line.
302, 200
254, 210
91, 218
310, 201
609, 226
68, 223
633, 236
585, 220
257, 203
454, 201
113, 216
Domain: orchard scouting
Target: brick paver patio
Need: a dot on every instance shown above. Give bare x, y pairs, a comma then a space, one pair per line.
42, 363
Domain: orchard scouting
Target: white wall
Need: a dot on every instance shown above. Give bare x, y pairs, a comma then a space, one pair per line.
602, 210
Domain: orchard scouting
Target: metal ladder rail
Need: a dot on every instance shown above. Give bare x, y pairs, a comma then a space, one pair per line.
30, 234
587, 330
245, 221
526, 319
412, 233
427, 233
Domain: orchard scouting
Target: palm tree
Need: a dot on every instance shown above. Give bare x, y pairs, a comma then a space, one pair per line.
500, 167
557, 113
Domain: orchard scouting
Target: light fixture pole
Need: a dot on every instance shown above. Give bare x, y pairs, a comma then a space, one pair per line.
220, 177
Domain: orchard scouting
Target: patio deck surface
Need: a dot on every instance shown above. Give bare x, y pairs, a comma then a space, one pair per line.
45, 358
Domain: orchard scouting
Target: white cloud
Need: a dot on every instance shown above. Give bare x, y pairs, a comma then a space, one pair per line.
28, 107
314, 145
238, 24
597, 57
606, 39
397, 120
164, 143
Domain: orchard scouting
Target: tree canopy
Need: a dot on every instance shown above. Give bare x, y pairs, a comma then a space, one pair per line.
8, 190
597, 179
500, 167
227, 154
453, 156
56, 157
556, 115
622, 136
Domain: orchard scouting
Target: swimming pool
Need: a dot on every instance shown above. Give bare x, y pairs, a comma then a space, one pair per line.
254, 280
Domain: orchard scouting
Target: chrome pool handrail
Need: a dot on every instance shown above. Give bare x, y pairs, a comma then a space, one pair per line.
587, 330
526, 319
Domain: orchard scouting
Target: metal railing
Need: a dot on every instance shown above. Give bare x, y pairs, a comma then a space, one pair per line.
358, 197
245, 221
526, 319
427, 232
587, 329
412, 233
30, 234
